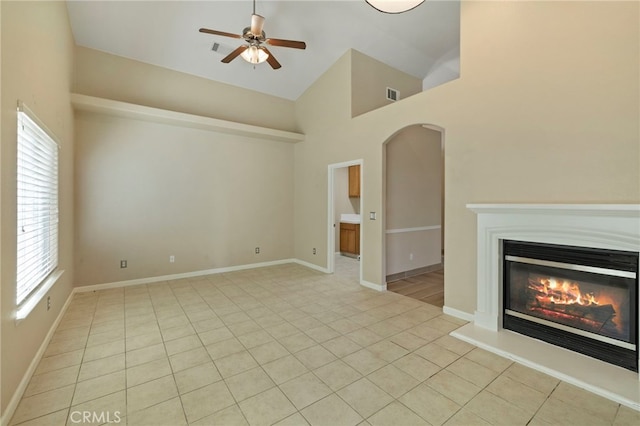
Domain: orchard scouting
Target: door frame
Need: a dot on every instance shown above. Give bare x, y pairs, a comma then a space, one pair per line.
331, 219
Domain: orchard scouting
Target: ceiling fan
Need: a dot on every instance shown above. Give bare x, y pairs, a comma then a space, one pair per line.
254, 51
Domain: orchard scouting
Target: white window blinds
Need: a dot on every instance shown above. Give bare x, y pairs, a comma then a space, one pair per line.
37, 250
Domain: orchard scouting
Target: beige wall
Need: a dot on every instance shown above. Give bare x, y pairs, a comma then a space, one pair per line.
2, 207
146, 191
370, 79
37, 64
546, 110
413, 178
409, 251
542, 116
114, 77
536, 116
321, 111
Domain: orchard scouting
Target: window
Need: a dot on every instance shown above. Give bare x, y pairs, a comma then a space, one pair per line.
37, 212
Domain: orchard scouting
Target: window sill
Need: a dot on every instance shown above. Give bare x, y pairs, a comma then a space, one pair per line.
32, 301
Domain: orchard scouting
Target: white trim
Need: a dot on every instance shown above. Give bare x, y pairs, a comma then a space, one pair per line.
347, 164
157, 115
331, 218
373, 286
417, 229
26, 378
34, 298
608, 210
310, 266
150, 280
25, 109
458, 313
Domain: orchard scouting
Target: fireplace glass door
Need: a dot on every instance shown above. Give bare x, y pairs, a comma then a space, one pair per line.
579, 298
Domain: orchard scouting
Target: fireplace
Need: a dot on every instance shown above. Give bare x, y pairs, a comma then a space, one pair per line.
589, 228
583, 299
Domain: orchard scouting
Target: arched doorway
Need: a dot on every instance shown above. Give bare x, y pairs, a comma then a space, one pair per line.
414, 213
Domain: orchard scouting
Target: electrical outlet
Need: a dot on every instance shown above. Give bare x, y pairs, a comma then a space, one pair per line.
410, 256
314, 250
123, 263
257, 250
48, 302
172, 259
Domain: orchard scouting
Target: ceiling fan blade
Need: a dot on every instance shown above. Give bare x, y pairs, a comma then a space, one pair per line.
271, 59
220, 33
257, 22
286, 43
231, 56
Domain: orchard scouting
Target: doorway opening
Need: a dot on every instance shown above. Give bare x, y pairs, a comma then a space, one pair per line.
414, 213
344, 230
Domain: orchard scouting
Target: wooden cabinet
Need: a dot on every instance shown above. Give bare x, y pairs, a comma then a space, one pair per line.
350, 238
354, 181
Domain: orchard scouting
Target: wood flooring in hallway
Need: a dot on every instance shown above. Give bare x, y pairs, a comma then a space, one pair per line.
428, 288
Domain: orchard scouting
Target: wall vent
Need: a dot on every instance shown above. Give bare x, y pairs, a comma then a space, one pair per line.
215, 47
392, 94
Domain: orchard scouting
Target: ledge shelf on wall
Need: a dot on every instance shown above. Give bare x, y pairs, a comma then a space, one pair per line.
140, 112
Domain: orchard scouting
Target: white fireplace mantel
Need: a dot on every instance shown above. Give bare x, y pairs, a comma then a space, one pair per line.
607, 226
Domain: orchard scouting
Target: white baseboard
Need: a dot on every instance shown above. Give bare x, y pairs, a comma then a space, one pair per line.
151, 280
373, 286
193, 274
22, 386
458, 314
310, 265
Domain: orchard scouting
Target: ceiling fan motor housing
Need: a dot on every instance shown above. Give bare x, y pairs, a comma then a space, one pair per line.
251, 37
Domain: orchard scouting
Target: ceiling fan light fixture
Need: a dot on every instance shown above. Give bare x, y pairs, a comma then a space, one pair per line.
253, 51
394, 6
254, 55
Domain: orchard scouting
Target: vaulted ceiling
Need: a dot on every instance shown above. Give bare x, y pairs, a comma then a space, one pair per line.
165, 33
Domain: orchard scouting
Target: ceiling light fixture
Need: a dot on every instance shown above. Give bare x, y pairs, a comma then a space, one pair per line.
394, 6
254, 54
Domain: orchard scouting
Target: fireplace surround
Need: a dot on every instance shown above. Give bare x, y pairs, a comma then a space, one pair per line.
603, 227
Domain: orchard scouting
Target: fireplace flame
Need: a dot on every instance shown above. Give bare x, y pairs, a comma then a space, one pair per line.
556, 297
562, 292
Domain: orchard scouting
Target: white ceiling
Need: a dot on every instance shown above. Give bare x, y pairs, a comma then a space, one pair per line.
165, 33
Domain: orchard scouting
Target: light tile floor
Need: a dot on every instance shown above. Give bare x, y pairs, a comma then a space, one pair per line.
283, 345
